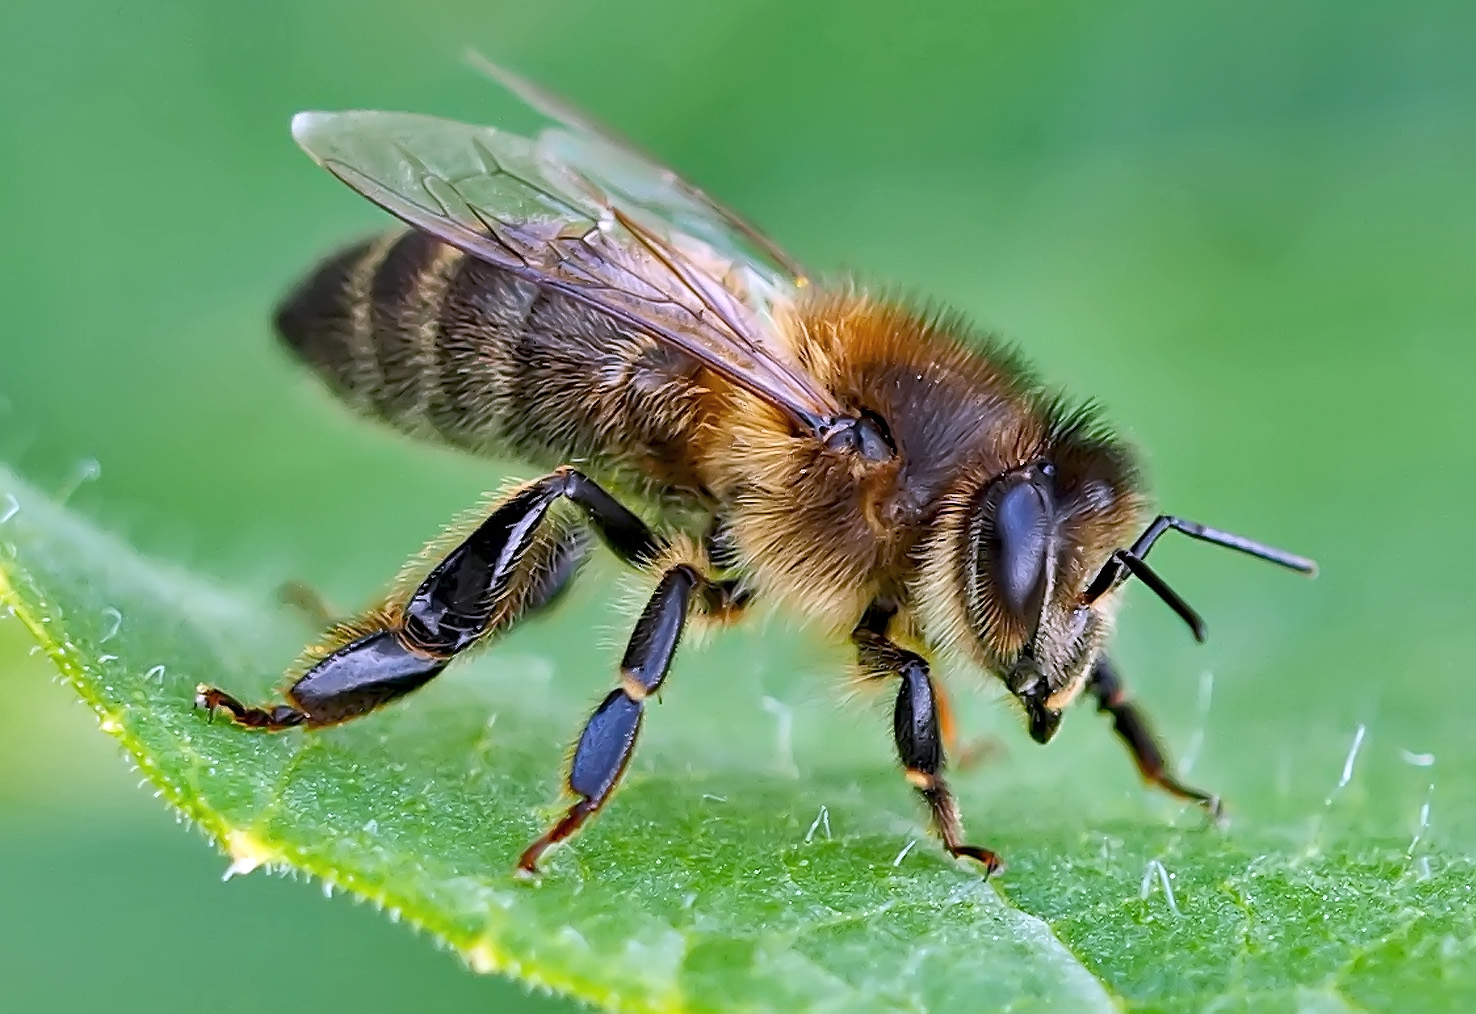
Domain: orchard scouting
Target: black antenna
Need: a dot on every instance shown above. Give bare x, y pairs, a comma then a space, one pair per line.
1126, 563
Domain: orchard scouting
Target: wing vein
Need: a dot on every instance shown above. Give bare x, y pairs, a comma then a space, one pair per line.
656, 266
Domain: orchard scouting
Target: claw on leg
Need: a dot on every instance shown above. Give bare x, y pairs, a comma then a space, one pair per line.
567, 825
273, 719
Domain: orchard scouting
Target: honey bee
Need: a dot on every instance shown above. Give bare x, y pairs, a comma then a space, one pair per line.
887, 473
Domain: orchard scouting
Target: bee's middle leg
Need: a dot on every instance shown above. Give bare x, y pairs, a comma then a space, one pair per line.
481, 585
609, 736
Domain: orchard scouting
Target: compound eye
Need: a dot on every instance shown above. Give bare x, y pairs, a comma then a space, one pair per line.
1018, 544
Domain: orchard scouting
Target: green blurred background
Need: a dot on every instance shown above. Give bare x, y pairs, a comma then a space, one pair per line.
1250, 230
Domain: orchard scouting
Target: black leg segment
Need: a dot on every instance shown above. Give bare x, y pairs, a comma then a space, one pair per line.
915, 722
460, 597
482, 585
1130, 725
352, 681
915, 727
609, 737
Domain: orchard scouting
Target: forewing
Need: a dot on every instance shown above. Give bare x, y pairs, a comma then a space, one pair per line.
634, 179
502, 198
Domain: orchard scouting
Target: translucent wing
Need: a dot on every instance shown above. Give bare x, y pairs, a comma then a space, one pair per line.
634, 179
513, 203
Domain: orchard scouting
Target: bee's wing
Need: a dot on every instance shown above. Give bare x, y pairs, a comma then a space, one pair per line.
510, 202
635, 179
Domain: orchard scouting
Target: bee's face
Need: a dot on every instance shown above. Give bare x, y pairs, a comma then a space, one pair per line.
1035, 538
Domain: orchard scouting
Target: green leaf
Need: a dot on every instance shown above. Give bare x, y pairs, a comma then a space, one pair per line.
718, 880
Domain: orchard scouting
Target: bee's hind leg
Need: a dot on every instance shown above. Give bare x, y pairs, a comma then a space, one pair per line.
352, 681
480, 587
549, 587
273, 719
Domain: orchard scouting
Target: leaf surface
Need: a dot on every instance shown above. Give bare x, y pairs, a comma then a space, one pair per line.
718, 880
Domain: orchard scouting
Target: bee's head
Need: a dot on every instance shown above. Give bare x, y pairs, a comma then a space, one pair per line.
1015, 555
1022, 572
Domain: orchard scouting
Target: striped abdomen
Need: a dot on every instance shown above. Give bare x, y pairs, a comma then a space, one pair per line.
444, 346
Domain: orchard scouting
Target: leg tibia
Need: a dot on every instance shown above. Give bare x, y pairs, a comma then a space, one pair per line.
653, 642
467, 592
458, 599
920, 749
915, 721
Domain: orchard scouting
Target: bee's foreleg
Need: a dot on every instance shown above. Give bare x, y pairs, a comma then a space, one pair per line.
1128, 722
915, 726
609, 737
483, 585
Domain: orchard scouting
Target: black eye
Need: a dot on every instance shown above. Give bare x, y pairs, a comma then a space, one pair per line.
1017, 544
